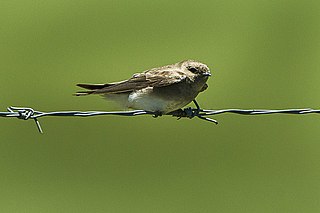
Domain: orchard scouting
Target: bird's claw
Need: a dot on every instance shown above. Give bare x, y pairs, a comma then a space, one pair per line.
185, 113
188, 113
191, 113
157, 114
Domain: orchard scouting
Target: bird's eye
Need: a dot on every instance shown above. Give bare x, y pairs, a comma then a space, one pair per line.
193, 69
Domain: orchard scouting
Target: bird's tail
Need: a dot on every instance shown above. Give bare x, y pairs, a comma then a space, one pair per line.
83, 93
91, 88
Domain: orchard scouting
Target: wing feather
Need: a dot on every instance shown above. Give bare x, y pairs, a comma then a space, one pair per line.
150, 78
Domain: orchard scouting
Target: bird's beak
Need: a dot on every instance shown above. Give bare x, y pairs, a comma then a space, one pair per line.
206, 74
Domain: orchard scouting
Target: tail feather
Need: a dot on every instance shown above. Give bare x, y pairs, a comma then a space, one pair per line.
83, 93
93, 86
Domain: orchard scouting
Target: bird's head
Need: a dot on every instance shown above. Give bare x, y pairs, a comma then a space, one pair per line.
197, 68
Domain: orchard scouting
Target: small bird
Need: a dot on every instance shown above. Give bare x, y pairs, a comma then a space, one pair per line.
161, 90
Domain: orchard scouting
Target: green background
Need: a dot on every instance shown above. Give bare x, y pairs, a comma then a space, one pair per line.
263, 54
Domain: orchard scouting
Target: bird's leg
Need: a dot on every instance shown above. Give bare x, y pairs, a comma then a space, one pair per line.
198, 107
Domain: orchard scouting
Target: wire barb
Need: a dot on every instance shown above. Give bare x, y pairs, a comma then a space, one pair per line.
26, 113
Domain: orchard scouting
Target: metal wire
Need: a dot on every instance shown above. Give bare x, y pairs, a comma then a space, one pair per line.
26, 113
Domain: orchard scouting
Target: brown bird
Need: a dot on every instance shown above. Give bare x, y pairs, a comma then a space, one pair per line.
161, 90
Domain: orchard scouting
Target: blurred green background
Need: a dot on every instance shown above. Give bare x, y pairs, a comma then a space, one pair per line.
263, 54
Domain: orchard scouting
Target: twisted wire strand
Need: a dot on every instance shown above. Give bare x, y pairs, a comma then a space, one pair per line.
26, 113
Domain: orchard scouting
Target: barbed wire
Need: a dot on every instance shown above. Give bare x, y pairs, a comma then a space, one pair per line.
26, 113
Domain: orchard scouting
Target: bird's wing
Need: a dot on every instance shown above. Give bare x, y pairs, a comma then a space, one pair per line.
165, 77
150, 78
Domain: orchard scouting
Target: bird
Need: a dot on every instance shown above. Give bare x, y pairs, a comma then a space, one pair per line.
161, 90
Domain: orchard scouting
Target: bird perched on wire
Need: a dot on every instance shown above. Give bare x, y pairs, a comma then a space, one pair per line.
161, 90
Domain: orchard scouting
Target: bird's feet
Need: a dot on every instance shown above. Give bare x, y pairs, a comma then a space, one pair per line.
185, 113
157, 114
191, 113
